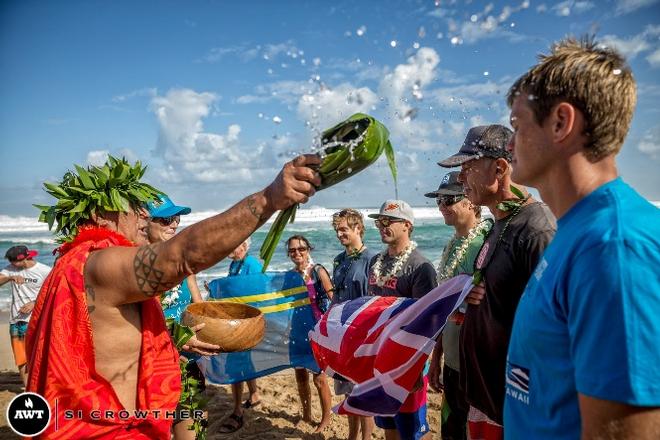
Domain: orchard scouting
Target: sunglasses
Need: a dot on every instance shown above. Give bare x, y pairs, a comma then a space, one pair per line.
386, 222
302, 250
448, 200
167, 220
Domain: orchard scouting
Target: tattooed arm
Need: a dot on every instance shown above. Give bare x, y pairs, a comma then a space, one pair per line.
128, 275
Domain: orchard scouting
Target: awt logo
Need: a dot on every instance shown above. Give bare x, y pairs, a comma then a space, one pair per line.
28, 414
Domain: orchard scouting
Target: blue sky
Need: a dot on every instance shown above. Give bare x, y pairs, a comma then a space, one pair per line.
215, 96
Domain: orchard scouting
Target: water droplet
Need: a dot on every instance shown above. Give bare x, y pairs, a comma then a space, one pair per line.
440, 36
277, 119
437, 3
512, 24
361, 30
270, 71
421, 32
393, 43
455, 40
415, 45
316, 61
261, 115
486, 73
349, 170
266, 57
474, 18
617, 71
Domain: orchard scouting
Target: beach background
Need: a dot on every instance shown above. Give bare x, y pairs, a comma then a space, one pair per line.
278, 416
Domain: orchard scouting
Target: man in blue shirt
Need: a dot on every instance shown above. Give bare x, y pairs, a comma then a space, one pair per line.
350, 278
584, 353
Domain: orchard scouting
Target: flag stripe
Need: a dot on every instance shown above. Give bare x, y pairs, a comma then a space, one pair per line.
264, 296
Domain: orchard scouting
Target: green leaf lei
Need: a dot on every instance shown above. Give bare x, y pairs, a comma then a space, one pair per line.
113, 187
192, 397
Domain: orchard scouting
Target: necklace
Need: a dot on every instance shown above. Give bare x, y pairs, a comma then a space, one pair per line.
396, 268
515, 206
447, 266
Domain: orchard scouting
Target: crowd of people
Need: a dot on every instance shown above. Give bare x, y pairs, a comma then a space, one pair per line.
557, 339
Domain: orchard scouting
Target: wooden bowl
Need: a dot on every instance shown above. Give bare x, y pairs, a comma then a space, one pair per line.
232, 326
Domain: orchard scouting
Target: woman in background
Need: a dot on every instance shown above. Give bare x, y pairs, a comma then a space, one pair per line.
164, 219
319, 287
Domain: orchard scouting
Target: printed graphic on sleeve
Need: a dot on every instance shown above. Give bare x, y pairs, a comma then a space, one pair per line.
517, 382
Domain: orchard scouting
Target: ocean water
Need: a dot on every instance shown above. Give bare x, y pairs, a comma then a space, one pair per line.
431, 234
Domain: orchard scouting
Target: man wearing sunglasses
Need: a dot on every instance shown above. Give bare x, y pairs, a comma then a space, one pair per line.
522, 230
457, 258
401, 270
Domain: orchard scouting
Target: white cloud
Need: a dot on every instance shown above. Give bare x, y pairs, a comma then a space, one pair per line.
189, 152
485, 25
650, 143
97, 157
566, 8
404, 89
288, 92
627, 6
146, 91
632, 46
628, 47
325, 107
654, 58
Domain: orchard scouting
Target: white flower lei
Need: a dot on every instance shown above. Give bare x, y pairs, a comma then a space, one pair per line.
396, 268
171, 296
447, 267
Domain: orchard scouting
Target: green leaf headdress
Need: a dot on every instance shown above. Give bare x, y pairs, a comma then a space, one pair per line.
113, 187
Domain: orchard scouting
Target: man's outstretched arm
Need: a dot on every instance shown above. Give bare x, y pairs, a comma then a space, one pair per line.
123, 275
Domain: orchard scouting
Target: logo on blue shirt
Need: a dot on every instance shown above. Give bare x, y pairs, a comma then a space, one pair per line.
540, 268
517, 382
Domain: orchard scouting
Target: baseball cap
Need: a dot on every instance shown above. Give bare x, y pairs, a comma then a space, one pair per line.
482, 141
449, 186
20, 253
164, 207
395, 209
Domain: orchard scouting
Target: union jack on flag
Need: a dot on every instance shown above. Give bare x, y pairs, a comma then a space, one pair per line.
381, 343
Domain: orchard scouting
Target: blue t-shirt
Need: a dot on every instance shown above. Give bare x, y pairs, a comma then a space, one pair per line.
175, 301
350, 275
246, 266
588, 320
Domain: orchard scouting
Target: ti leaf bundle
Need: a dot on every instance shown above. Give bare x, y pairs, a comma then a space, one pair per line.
115, 186
347, 148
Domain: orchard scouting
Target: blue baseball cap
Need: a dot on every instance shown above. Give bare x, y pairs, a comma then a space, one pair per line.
164, 207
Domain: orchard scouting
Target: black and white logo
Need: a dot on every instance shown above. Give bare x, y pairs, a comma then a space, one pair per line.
28, 414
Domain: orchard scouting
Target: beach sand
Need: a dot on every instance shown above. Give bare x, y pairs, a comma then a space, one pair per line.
276, 418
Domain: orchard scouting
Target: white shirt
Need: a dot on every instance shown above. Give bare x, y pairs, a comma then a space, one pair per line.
22, 294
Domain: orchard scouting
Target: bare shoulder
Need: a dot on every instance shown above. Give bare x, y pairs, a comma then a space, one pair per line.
126, 274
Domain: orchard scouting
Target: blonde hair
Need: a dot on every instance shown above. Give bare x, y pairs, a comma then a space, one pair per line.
353, 218
591, 77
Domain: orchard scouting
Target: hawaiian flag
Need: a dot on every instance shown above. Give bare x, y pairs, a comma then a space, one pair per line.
284, 301
381, 343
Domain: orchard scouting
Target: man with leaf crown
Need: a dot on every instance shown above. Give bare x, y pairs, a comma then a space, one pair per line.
98, 346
